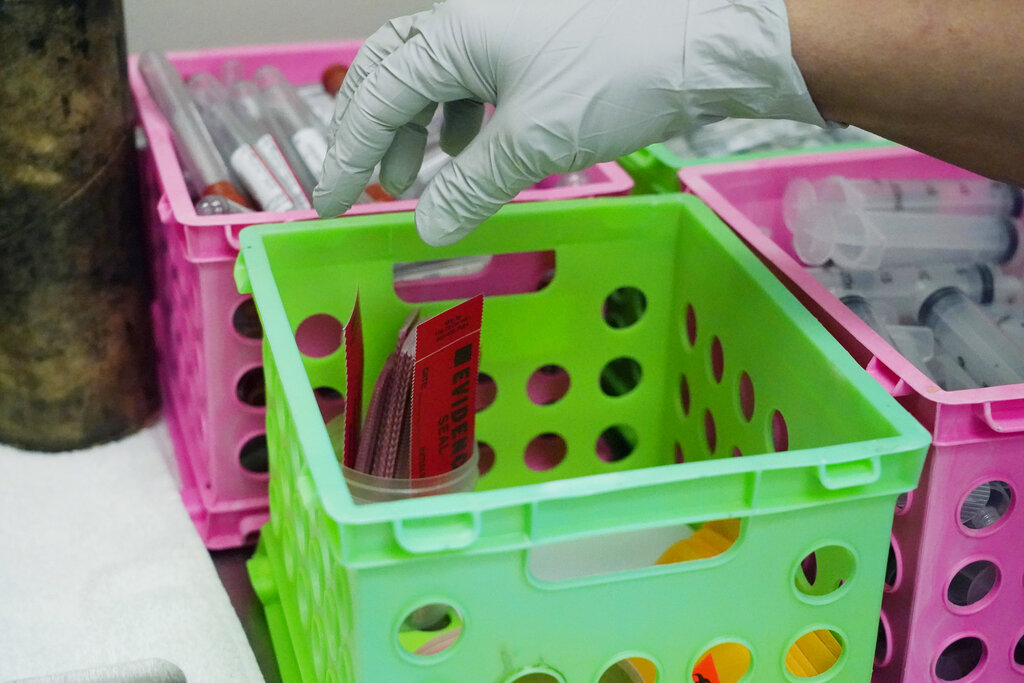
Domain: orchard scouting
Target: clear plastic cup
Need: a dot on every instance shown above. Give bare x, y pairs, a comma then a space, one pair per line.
367, 488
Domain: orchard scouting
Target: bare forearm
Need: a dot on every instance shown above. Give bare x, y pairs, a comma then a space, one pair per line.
941, 76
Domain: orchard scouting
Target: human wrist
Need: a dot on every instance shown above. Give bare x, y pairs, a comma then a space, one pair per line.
738, 62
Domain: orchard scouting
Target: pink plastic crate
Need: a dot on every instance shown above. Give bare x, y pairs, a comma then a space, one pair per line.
207, 334
978, 437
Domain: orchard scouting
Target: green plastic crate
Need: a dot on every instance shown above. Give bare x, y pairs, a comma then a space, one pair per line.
655, 168
338, 579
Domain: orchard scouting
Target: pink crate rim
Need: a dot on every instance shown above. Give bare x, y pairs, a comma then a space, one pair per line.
614, 181
697, 180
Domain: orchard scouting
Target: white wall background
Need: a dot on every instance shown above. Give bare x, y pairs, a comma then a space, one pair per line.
191, 24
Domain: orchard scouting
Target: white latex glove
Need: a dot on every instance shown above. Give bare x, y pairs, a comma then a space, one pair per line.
574, 82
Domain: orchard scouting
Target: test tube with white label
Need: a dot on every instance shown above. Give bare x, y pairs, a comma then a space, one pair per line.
248, 104
242, 102
873, 239
237, 142
904, 288
202, 163
964, 331
305, 131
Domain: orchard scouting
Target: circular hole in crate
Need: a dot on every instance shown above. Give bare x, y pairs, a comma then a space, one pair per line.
430, 629
729, 660
616, 442
630, 670
814, 653
959, 658
1018, 652
620, 376
684, 394
545, 451
717, 359
710, 432
746, 396
535, 677
972, 583
486, 391
825, 570
736, 452
624, 307
319, 335
883, 642
246, 320
893, 567
485, 459
330, 401
691, 325
253, 456
985, 505
903, 502
547, 384
679, 456
251, 389
780, 432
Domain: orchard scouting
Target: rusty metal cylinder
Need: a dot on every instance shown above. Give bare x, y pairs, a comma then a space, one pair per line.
76, 352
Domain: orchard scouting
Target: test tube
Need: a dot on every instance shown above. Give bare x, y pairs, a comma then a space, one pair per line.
317, 99
203, 164
574, 179
433, 161
306, 133
216, 205
964, 331
237, 142
248, 103
937, 195
240, 107
871, 239
905, 288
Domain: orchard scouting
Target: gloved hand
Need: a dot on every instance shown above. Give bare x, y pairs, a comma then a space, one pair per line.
574, 82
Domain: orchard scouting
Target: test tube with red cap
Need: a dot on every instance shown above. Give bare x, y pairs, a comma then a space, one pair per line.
203, 165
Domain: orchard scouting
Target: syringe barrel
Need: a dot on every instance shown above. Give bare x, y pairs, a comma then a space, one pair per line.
864, 239
938, 195
195, 146
963, 330
904, 288
863, 309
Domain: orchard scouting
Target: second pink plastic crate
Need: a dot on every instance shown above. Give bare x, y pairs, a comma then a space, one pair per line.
208, 336
978, 437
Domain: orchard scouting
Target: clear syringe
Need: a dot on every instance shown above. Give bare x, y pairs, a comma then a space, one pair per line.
904, 288
963, 330
203, 165
871, 239
916, 344
934, 195
239, 143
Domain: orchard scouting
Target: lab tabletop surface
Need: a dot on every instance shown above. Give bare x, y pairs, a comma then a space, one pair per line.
101, 567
